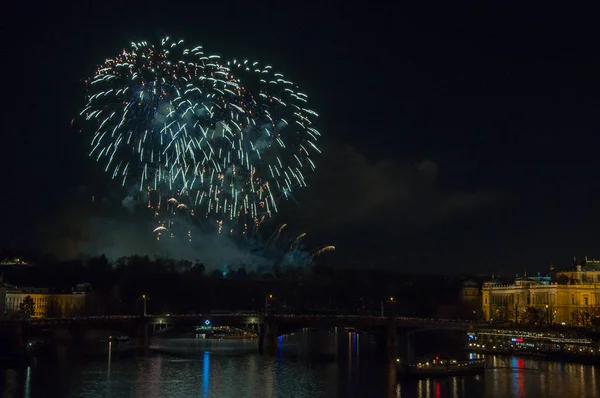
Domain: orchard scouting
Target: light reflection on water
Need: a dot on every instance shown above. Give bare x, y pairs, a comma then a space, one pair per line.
307, 364
205, 372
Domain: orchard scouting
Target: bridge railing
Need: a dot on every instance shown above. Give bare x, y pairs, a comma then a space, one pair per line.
259, 317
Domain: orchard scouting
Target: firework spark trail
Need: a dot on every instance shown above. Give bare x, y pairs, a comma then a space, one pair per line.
321, 250
275, 235
234, 136
297, 239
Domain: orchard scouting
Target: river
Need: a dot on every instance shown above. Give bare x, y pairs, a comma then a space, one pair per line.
306, 364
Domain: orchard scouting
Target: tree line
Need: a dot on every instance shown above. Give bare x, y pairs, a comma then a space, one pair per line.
180, 286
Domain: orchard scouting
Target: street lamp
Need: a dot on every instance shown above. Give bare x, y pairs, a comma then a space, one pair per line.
145, 299
391, 300
270, 297
547, 315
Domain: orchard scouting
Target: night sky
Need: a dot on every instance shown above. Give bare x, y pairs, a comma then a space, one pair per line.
457, 140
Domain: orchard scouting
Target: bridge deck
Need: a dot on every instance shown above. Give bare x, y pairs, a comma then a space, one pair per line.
256, 318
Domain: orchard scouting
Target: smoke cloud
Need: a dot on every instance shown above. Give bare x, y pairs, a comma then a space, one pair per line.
121, 228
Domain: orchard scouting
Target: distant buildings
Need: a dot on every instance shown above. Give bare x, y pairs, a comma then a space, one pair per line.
470, 292
14, 261
45, 303
570, 296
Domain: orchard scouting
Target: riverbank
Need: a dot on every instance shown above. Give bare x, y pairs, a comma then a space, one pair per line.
564, 346
545, 356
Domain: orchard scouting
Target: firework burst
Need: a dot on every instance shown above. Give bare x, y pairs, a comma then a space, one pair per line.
233, 137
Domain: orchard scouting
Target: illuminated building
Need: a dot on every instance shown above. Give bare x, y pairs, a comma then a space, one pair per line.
569, 296
46, 304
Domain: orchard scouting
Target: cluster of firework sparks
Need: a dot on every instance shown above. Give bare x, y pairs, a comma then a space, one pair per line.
219, 140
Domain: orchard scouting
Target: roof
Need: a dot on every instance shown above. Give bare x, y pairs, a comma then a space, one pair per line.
494, 281
592, 265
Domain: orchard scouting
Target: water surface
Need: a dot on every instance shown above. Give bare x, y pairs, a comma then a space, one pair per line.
307, 364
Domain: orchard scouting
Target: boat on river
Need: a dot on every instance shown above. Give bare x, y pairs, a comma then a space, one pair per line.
437, 367
223, 332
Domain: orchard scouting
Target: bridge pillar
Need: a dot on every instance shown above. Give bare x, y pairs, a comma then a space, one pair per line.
407, 355
267, 335
143, 340
391, 344
392, 337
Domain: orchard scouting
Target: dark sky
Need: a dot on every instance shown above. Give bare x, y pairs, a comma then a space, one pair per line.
457, 139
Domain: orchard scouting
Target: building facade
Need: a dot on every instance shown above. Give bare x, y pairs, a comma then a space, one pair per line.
45, 303
570, 297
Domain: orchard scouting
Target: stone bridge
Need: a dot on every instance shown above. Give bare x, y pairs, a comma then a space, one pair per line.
390, 331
